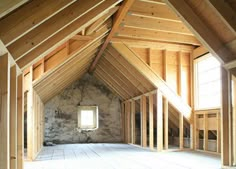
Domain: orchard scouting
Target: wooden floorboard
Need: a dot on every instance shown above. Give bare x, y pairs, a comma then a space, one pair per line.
119, 156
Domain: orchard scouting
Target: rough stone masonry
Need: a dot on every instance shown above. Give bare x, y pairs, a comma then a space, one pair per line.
61, 113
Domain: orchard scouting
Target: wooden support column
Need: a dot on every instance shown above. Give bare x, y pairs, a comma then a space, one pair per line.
166, 125
192, 124
164, 54
143, 121
30, 119
233, 120
218, 133
205, 142
13, 118
4, 112
196, 138
181, 131
159, 120
123, 121
133, 121
179, 74
20, 123
151, 134
128, 122
226, 149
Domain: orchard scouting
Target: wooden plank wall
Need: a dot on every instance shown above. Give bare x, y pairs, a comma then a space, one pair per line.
172, 66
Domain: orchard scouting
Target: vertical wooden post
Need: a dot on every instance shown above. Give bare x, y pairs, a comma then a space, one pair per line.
4, 111
181, 131
123, 121
166, 126
144, 120
20, 123
192, 123
128, 122
133, 121
150, 57
151, 134
218, 133
13, 118
234, 120
226, 118
164, 53
159, 121
205, 142
179, 74
30, 119
196, 138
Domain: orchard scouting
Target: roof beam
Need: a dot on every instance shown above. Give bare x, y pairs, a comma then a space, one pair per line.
117, 20
12, 26
160, 84
204, 34
65, 34
225, 12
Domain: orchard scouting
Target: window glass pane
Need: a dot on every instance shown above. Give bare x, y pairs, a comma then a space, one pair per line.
87, 117
208, 83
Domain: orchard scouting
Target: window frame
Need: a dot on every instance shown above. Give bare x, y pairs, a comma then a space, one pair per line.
95, 117
196, 87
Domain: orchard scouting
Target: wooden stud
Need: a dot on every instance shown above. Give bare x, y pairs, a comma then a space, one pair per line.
20, 123
196, 138
13, 118
133, 126
123, 121
181, 131
159, 116
151, 127
30, 118
179, 74
166, 126
205, 142
4, 112
225, 118
143, 121
128, 122
218, 133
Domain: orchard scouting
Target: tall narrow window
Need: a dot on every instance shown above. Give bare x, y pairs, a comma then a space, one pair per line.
207, 82
88, 117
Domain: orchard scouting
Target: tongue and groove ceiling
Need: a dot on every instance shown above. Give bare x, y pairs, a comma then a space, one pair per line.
61, 40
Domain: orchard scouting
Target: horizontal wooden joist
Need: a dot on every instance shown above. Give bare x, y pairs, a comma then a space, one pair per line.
153, 44
160, 36
12, 26
65, 34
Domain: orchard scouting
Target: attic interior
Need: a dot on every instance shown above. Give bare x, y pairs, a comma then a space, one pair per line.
117, 78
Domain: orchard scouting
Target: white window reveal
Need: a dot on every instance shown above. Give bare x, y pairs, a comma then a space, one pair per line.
88, 117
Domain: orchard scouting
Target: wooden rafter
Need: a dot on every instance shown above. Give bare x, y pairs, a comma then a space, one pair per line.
65, 34
12, 27
225, 12
117, 20
204, 34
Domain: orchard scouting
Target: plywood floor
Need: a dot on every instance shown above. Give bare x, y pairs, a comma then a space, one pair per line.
118, 156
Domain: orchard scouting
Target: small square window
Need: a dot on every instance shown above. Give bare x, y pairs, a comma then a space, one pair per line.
88, 117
